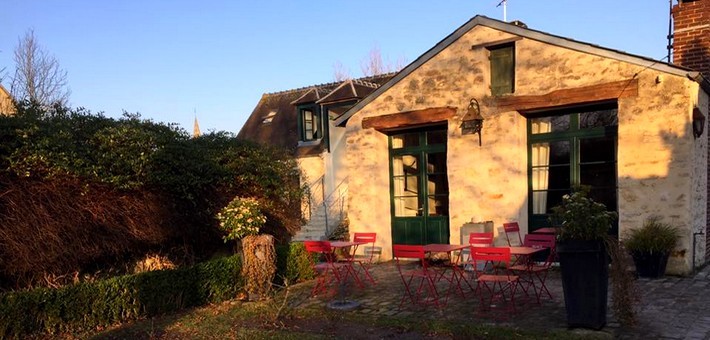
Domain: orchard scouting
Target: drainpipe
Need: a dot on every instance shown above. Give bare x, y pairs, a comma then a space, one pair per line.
694, 241
325, 204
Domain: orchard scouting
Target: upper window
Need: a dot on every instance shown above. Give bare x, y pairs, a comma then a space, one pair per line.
502, 69
309, 119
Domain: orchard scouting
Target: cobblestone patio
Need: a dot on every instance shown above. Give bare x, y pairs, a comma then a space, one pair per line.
670, 307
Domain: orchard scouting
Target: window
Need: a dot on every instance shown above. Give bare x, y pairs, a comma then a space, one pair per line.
310, 123
567, 148
502, 59
269, 117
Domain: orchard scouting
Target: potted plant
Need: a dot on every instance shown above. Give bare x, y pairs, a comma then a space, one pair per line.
584, 226
651, 245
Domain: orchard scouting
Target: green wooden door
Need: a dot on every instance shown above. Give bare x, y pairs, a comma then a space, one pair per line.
419, 189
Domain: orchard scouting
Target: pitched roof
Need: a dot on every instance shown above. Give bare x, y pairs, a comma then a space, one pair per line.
274, 120
511, 28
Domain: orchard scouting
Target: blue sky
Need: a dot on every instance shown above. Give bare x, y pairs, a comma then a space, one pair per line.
167, 59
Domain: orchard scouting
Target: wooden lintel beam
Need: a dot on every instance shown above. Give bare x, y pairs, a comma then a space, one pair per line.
409, 118
578, 95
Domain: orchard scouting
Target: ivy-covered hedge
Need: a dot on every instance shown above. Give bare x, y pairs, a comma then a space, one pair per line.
102, 303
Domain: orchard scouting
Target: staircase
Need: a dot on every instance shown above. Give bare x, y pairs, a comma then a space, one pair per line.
323, 215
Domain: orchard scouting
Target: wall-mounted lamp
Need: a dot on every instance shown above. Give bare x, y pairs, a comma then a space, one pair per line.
698, 122
472, 122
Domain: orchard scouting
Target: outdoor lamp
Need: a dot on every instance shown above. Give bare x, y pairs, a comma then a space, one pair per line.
698, 122
472, 121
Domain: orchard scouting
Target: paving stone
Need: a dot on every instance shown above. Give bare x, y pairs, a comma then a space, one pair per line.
670, 308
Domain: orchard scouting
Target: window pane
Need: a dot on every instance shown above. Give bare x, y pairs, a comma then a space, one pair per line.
550, 124
598, 174
597, 150
436, 163
407, 206
437, 184
436, 137
598, 119
438, 205
405, 140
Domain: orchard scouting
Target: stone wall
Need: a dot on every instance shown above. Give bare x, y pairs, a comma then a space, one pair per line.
655, 145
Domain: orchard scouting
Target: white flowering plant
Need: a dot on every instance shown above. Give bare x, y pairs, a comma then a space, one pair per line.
241, 217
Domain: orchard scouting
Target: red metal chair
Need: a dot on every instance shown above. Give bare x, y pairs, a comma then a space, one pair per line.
534, 270
495, 273
480, 239
324, 263
476, 240
426, 291
512, 230
369, 251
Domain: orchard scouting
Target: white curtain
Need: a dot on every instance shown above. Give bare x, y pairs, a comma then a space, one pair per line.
540, 163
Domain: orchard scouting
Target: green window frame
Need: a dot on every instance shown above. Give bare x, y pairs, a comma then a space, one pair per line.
568, 148
309, 123
502, 63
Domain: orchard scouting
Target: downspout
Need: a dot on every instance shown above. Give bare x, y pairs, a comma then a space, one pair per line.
694, 242
325, 204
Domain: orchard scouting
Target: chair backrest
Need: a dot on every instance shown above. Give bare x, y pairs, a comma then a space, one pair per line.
317, 246
402, 251
369, 250
412, 252
480, 239
543, 241
320, 248
493, 254
365, 237
510, 229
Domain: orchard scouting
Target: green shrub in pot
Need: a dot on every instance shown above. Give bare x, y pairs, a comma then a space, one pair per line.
651, 245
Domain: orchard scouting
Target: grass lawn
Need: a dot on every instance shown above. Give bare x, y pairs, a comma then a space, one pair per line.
257, 320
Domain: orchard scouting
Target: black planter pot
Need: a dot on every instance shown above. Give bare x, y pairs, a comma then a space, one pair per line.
585, 279
651, 265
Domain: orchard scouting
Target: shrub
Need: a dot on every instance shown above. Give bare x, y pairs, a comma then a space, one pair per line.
241, 217
655, 236
293, 263
102, 303
581, 218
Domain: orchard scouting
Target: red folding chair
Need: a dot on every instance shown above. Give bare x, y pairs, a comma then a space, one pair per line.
532, 270
426, 291
480, 239
512, 230
495, 273
369, 251
477, 240
323, 262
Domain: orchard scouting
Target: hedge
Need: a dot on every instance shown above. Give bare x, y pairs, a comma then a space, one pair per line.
292, 263
87, 305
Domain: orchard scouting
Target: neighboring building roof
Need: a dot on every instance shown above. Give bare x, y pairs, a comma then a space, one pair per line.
522, 32
274, 120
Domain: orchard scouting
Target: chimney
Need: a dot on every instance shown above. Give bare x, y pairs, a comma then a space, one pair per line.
691, 35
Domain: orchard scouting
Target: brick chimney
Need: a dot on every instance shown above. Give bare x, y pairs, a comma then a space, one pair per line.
691, 35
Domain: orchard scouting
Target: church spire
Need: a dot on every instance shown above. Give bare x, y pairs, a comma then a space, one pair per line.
196, 128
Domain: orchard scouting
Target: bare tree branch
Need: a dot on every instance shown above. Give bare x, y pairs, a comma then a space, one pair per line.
340, 72
38, 76
374, 65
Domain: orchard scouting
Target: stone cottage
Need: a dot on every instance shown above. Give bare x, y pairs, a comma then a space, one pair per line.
498, 121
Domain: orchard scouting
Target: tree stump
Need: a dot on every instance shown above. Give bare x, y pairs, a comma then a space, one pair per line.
259, 265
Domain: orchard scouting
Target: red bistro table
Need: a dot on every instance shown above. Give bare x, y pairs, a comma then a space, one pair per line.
349, 254
457, 274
